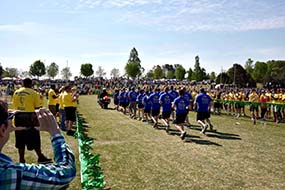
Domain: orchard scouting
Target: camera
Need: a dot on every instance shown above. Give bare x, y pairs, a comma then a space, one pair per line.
26, 119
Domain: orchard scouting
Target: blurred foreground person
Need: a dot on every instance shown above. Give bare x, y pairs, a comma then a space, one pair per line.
30, 176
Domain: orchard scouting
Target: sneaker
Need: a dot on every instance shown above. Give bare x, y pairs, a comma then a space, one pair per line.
204, 129
70, 133
167, 129
22, 161
211, 127
183, 135
44, 160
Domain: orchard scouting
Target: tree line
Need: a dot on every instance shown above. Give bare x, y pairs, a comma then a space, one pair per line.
270, 72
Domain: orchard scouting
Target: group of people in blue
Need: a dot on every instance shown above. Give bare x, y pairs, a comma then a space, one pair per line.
150, 105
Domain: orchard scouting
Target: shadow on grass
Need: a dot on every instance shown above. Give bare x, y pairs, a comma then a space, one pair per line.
226, 137
201, 142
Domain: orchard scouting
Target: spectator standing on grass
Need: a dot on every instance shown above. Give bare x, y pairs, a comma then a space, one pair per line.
61, 109
52, 99
69, 103
253, 97
15, 176
202, 104
263, 100
181, 107
26, 99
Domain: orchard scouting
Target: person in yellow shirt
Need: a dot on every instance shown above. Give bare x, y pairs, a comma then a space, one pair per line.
26, 99
69, 103
52, 99
61, 108
253, 98
269, 95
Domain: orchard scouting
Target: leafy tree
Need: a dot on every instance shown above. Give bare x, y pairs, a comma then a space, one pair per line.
239, 76
133, 67
198, 73
180, 72
149, 74
168, 71
38, 69
190, 74
1, 71
276, 71
157, 72
10, 72
115, 73
86, 69
170, 74
100, 72
212, 76
249, 66
259, 71
223, 78
66, 73
52, 70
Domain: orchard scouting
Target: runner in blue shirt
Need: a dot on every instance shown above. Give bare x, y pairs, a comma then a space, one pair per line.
202, 104
181, 107
174, 95
187, 96
165, 100
116, 99
133, 102
147, 106
123, 100
140, 104
155, 106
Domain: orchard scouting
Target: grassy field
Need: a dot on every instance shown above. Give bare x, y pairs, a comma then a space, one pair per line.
136, 156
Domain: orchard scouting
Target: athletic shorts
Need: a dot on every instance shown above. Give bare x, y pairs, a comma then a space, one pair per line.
154, 113
202, 116
123, 104
166, 114
146, 110
30, 138
140, 106
70, 113
116, 102
180, 118
52, 109
253, 108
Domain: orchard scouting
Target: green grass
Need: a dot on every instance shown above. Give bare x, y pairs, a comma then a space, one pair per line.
136, 156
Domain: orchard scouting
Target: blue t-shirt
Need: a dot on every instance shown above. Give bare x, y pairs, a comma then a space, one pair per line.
132, 96
174, 94
154, 99
116, 97
140, 99
122, 97
203, 101
187, 96
166, 100
146, 102
181, 104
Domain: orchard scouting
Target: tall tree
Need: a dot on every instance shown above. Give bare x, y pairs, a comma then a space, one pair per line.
212, 76
276, 71
223, 78
100, 72
259, 71
249, 66
86, 69
190, 74
239, 76
198, 72
133, 67
37, 69
66, 73
115, 73
157, 72
1, 71
52, 70
149, 74
180, 72
11, 72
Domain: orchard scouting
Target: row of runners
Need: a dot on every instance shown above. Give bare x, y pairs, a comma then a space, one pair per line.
169, 101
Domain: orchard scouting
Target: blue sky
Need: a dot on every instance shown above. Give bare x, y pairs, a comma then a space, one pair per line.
102, 32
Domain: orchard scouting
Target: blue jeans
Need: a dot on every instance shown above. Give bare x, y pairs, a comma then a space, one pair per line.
62, 118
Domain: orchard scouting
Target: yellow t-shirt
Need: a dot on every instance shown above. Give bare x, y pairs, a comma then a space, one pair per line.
60, 100
253, 97
51, 100
68, 100
26, 100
